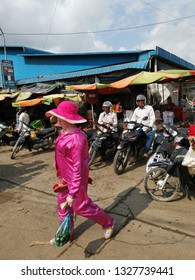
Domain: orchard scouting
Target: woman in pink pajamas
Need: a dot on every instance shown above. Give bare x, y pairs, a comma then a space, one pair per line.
71, 161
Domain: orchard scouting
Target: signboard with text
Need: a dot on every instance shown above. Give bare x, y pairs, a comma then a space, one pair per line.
7, 74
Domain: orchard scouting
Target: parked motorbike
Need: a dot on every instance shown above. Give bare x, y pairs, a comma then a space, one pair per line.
34, 140
7, 134
168, 179
89, 131
164, 143
131, 145
102, 143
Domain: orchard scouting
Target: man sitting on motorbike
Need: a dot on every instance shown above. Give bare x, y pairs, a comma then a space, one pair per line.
24, 119
109, 119
139, 113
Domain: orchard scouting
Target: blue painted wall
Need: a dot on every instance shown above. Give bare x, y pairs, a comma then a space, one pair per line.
32, 63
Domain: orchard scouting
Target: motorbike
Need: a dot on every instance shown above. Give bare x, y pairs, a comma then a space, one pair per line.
34, 140
164, 143
168, 179
102, 143
131, 145
89, 131
7, 134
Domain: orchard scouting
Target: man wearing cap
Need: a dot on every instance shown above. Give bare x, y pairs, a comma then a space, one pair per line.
139, 113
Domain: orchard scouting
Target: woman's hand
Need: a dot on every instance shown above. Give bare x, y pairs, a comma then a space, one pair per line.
69, 200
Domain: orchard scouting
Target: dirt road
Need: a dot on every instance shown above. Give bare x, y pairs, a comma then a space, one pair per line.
145, 229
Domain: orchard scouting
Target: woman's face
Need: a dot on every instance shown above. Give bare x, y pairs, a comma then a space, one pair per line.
63, 123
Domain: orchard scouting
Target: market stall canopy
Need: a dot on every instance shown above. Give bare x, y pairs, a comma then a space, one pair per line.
183, 72
27, 103
39, 88
87, 87
23, 95
8, 95
145, 77
47, 100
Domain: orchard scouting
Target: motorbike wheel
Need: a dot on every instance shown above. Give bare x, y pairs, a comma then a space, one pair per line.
120, 161
92, 155
153, 185
15, 150
154, 158
90, 141
50, 143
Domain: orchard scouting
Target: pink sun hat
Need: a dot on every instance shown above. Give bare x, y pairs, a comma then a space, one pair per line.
67, 111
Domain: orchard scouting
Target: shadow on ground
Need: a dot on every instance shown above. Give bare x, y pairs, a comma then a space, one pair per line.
121, 211
12, 175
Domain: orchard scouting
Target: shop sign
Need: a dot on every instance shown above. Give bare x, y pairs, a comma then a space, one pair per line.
7, 74
92, 97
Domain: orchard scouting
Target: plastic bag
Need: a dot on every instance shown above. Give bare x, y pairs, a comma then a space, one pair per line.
64, 231
189, 159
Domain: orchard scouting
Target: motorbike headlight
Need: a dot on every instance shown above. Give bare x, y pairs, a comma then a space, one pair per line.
27, 134
130, 126
178, 139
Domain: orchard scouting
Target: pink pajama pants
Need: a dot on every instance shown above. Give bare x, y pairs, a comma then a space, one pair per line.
84, 207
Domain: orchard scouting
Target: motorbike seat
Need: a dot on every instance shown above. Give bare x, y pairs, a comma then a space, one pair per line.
45, 132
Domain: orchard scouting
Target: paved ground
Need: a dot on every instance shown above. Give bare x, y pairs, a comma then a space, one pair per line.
145, 229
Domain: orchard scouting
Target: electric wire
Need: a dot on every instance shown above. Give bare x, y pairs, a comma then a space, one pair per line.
50, 24
99, 31
165, 12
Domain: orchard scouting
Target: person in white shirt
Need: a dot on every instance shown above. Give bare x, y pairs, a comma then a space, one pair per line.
107, 117
23, 118
139, 113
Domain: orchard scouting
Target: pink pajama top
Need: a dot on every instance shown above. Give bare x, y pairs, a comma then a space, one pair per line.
71, 160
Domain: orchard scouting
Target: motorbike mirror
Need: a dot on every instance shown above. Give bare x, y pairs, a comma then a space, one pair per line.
145, 118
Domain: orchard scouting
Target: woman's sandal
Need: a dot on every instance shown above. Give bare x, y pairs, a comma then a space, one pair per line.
109, 231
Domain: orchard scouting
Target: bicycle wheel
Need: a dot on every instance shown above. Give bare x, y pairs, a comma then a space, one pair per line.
161, 187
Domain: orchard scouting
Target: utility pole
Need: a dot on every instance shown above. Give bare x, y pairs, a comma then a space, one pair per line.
4, 44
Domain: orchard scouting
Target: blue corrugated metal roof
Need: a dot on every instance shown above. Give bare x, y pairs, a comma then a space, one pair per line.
174, 58
29, 63
95, 71
27, 50
84, 53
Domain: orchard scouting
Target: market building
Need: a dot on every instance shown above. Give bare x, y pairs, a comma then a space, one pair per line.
28, 73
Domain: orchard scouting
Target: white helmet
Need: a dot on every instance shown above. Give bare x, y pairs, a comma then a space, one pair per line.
141, 97
107, 104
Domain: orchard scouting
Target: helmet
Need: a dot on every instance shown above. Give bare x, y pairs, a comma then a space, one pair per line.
107, 104
141, 97
21, 109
